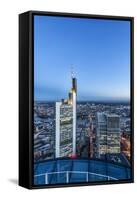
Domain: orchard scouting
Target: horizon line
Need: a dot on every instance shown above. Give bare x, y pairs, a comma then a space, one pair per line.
117, 100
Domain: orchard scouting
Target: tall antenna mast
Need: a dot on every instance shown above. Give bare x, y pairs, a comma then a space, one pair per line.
72, 71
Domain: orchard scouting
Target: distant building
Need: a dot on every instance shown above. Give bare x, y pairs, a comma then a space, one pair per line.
107, 134
66, 124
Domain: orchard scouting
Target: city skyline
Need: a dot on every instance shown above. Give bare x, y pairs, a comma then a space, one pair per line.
103, 46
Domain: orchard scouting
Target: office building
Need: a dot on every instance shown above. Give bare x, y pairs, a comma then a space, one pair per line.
66, 124
107, 134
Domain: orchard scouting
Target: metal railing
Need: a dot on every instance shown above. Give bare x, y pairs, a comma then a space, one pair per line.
68, 173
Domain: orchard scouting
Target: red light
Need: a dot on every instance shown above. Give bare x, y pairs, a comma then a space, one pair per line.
73, 156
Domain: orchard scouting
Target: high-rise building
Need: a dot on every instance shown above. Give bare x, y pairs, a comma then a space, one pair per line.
107, 134
66, 124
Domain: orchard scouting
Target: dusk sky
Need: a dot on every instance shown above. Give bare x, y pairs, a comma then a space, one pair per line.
98, 49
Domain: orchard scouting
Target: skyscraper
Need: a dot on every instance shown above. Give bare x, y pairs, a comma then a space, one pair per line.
66, 124
107, 134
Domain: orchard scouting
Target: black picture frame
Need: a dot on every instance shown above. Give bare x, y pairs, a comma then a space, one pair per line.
26, 96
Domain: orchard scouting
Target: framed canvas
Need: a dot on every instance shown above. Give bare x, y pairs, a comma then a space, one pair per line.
75, 99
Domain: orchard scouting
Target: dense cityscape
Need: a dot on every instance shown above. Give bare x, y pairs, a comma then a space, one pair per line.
81, 140
87, 134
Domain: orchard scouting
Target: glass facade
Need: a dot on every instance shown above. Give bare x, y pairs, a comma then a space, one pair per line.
78, 170
64, 130
108, 133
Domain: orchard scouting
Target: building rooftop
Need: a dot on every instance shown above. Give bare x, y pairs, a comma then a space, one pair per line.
78, 170
102, 116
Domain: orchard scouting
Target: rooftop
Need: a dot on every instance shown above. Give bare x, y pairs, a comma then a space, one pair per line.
78, 170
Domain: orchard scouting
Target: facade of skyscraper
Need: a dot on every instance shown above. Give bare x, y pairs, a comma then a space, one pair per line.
107, 134
66, 124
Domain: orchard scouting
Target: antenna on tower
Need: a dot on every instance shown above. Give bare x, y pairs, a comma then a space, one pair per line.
72, 71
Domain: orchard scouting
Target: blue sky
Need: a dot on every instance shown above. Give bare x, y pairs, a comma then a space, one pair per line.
98, 49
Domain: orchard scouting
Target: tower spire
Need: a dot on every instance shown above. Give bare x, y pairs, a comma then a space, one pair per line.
74, 81
72, 71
